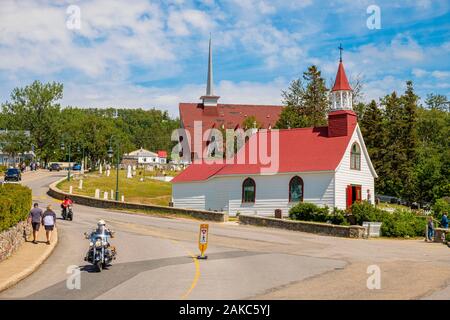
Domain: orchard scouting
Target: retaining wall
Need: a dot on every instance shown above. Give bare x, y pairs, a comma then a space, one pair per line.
305, 226
12, 239
111, 204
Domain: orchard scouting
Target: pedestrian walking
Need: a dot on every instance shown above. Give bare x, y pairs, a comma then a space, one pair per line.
49, 222
430, 225
35, 217
444, 220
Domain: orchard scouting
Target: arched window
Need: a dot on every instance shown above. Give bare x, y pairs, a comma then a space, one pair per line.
248, 191
355, 157
296, 189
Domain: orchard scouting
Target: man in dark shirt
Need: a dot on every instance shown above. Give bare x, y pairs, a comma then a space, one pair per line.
35, 217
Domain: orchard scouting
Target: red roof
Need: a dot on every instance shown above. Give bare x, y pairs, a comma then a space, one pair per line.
162, 154
341, 82
228, 115
300, 150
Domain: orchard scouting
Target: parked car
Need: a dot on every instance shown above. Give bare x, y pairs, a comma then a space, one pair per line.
54, 167
76, 167
13, 174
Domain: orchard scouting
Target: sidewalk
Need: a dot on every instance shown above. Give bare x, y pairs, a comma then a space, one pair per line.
26, 260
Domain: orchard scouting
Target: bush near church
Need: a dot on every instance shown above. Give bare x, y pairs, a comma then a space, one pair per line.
400, 223
15, 203
310, 212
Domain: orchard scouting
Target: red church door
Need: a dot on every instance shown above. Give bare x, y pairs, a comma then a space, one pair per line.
353, 195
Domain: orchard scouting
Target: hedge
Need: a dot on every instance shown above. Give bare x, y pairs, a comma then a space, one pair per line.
15, 203
310, 212
400, 223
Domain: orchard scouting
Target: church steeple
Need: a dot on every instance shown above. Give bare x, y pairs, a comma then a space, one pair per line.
209, 99
341, 94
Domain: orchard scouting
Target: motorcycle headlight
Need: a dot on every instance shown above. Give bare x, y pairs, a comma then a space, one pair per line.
91, 244
98, 244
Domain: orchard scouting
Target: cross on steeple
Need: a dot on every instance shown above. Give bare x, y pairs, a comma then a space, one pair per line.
340, 52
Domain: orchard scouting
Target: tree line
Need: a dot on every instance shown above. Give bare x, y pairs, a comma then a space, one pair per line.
408, 143
36, 109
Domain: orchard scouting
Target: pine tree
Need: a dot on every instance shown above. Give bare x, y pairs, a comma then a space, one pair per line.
306, 101
374, 134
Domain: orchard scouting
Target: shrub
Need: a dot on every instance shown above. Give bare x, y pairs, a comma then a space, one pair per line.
15, 203
400, 223
439, 207
310, 212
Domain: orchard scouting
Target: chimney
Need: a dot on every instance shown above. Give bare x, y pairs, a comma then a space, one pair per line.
341, 123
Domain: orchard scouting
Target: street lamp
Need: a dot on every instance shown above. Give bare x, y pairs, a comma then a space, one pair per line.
110, 155
83, 165
62, 148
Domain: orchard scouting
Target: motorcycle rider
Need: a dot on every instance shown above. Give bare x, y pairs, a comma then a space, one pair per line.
65, 204
102, 230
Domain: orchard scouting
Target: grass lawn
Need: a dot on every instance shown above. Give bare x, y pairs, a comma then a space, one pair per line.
149, 191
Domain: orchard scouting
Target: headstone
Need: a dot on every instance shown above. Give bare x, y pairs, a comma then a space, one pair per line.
108, 172
129, 175
112, 194
70, 189
105, 195
100, 169
97, 193
123, 198
80, 186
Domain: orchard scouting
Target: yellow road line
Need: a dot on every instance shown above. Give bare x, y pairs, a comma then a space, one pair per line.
197, 270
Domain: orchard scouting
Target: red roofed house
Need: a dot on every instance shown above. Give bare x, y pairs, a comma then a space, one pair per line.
220, 116
322, 165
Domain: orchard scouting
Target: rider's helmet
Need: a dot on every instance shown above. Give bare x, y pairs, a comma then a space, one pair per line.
101, 223
101, 226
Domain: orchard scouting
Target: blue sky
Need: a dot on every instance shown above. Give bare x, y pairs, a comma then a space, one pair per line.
145, 53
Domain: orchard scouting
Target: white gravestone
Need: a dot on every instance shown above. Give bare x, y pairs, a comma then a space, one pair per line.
105, 195
80, 186
129, 175
97, 193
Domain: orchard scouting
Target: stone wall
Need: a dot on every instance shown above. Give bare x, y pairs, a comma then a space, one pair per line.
12, 239
110, 204
305, 226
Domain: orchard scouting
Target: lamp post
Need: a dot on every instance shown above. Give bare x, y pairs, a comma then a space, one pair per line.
83, 165
110, 155
63, 148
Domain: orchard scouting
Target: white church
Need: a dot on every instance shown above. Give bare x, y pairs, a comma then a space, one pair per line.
322, 165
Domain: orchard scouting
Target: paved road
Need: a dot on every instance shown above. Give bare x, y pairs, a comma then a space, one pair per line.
155, 261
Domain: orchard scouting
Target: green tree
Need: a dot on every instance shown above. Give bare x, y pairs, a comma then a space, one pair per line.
437, 101
14, 143
35, 108
306, 101
251, 122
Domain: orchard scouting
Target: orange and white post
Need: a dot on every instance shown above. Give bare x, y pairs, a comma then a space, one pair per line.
203, 241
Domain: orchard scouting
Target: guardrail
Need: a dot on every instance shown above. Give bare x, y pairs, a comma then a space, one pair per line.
111, 204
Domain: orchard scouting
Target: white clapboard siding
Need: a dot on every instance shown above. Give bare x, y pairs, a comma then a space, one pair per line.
224, 193
188, 195
346, 176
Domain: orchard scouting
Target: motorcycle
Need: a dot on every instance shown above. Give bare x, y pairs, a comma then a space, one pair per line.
100, 253
67, 213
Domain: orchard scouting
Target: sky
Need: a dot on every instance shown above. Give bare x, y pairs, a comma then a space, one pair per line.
153, 54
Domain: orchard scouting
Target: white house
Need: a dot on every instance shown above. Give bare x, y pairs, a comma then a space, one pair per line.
322, 165
145, 157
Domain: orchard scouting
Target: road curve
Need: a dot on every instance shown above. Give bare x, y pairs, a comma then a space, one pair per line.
156, 261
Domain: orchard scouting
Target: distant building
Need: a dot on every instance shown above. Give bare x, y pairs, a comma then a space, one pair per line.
144, 157
7, 159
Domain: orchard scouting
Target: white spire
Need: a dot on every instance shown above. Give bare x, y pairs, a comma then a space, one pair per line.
210, 83
209, 99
